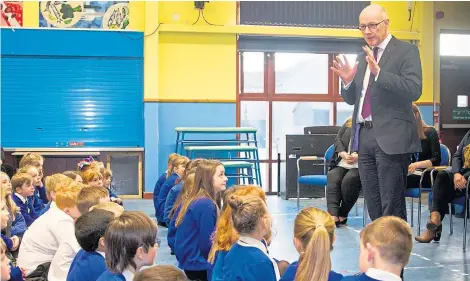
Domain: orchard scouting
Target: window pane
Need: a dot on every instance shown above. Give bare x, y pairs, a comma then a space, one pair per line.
275, 186
253, 70
255, 114
343, 112
264, 176
351, 59
453, 45
291, 117
301, 73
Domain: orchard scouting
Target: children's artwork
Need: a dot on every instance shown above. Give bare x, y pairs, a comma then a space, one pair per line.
84, 14
12, 13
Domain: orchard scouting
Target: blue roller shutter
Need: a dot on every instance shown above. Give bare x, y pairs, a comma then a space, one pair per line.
71, 86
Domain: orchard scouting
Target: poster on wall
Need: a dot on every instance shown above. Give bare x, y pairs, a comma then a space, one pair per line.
12, 13
84, 14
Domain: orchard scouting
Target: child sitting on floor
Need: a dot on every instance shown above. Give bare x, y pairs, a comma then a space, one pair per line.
386, 246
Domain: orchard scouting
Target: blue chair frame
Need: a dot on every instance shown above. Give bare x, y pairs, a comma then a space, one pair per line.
315, 180
417, 192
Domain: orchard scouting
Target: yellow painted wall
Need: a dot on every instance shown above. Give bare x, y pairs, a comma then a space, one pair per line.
421, 21
399, 15
196, 66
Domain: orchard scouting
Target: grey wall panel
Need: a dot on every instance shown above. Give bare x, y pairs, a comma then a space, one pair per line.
332, 14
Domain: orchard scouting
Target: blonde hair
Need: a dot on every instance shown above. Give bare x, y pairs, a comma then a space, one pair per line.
225, 234
246, 212
160, 273
186, 189
315, 229
53, 180
171, 157
420, 124
106, 173
25, 169
466, 157
32, 159
393, 238
202, 186
12, 208
66, 195
90, 196
177, 161
112, 207
90, 175
19, 179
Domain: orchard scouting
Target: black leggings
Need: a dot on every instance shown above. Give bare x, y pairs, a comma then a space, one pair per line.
444, 192
342, 191
200, 275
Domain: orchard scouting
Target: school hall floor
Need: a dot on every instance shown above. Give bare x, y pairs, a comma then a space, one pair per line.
444, 261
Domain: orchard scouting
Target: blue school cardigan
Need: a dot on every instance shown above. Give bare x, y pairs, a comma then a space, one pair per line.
170, 201
217, 272
8, 242
18, 227
247, 264
27, 209
15, 273
160, 206
193, 236
291, 271
39, 198
109, 276
171, 235
156, 189
86, 266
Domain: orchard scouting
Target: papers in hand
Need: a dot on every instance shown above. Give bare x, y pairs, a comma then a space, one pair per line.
417, 172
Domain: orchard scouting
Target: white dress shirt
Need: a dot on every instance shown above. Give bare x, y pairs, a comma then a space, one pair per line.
21, 197
365, 83
63, 258
128, 274
42, 239
382, 275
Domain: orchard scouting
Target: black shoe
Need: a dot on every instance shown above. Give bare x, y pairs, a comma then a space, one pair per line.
337, 223
162, 224
343, 222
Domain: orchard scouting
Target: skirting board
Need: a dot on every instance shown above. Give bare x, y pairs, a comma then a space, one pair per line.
148, 195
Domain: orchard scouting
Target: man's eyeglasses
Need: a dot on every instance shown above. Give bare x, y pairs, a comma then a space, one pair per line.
371, 26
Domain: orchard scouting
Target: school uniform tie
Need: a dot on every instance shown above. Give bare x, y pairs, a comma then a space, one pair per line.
366, 111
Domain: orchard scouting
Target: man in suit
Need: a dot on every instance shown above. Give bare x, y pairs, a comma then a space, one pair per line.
382, 84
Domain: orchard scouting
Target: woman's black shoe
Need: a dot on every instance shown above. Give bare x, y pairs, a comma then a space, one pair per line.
343, 222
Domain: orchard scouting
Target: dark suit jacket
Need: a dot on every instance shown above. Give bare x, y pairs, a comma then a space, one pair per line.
399, 84
341, 144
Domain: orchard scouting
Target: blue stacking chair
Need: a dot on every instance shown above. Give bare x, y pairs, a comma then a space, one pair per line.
418, 191
315, 180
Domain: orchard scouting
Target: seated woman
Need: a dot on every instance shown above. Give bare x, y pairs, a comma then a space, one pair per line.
430, 155
448, 186
344, 183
